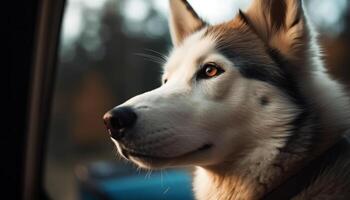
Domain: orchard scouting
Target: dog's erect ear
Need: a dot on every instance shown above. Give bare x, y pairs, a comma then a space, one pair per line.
281, 24
183, 20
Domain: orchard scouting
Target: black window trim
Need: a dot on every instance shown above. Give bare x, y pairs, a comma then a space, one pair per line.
42, 77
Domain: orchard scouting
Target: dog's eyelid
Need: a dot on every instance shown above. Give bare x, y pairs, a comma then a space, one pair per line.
212, 63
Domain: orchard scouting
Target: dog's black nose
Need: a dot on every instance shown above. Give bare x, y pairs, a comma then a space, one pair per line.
118, 120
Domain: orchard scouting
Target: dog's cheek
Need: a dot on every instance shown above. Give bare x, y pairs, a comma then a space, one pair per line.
230, 85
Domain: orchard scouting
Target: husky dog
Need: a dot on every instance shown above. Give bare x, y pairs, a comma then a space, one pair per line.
247, 102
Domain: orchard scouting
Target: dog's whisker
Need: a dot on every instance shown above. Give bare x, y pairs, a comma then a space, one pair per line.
152, 58
158, 53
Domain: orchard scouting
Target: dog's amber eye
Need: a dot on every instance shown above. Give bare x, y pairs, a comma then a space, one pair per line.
209, 70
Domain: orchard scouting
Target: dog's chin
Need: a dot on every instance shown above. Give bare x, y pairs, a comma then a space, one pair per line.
150, 161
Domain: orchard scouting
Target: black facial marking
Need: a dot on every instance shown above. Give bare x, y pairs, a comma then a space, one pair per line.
264, 101
275, 73
272, 73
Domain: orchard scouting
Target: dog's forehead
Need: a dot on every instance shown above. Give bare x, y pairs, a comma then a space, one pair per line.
193, 49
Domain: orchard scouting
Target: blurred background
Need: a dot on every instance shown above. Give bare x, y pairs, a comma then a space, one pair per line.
109, 52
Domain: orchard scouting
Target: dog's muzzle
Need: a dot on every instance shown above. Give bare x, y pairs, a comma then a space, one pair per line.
118, 120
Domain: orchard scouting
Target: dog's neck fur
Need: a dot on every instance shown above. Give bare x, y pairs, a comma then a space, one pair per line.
251, 178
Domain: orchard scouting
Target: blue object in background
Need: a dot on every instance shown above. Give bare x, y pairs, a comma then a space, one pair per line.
112, 181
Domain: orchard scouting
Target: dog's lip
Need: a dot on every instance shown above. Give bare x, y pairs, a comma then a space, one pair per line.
128, 153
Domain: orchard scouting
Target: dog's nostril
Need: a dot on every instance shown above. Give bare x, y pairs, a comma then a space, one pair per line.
123, 117
119, 119
121, 122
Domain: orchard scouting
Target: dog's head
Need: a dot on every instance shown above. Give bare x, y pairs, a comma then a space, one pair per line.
227, 89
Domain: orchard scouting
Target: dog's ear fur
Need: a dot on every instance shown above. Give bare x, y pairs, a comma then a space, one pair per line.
281, 24
183, 20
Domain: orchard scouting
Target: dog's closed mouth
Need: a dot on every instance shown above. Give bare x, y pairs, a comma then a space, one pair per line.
128, 153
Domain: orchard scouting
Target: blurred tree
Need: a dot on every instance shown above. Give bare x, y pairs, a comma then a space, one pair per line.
337, 51
105, 59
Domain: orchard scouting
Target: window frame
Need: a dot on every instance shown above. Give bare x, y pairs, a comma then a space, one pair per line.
40, 92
